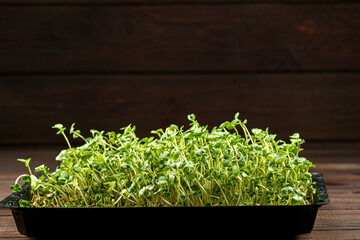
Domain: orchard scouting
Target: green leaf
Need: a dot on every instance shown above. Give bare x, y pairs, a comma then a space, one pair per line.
162, 180
287, 190
60, 127
42, 169
75, 133
24, 203
164, 155
230, 126
295, 136
35, 182
256, 131
191, 117
26, 179
71, 128
22, 160
144, 189
16, 188
158, 132
25, 161
65, 175
63, 155
75, 182
297, 200
224, 125
236, 115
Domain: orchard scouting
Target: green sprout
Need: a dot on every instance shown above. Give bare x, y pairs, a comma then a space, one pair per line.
225, 166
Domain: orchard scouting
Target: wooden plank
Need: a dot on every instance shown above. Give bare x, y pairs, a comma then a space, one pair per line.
177, 38
339, 174
4, 187
343, 184
330, 235
39, 155
157, 2
5, 212
338, 220
332, 152
8, 229
342, 224
343, 201
319, 106
7, 224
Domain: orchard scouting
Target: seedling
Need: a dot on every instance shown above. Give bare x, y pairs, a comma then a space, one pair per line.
225, 166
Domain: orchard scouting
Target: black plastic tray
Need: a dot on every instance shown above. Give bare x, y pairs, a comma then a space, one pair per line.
178, 221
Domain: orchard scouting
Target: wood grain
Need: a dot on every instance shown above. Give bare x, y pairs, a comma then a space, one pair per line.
319, 106
338, 220
178, 38
159, 2
330, 235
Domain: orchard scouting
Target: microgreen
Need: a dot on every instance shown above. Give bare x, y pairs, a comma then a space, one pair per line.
225, 166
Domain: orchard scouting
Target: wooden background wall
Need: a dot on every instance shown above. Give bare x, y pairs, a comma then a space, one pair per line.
293, 66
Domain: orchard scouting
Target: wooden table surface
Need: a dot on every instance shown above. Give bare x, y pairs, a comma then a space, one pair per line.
339, 163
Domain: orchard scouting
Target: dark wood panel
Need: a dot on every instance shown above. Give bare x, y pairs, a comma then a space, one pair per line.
319, 106
233, 37
156, 2
332, 152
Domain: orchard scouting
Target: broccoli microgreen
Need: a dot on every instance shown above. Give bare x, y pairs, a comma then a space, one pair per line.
226, 166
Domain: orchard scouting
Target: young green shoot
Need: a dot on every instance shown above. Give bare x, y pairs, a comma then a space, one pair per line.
226, 166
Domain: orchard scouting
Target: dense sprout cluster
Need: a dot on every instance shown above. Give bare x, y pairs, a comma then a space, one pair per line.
225, 166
